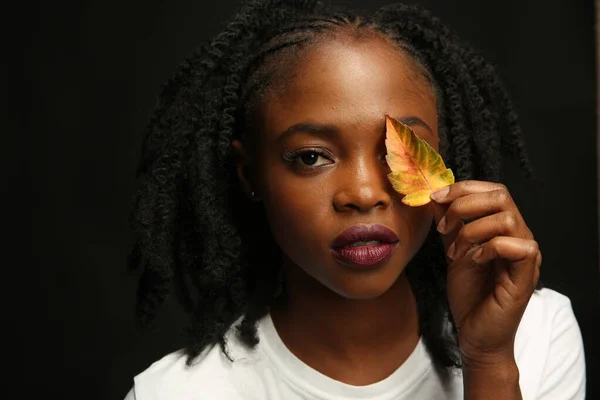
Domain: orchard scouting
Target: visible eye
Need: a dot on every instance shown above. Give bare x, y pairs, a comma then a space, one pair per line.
309, 157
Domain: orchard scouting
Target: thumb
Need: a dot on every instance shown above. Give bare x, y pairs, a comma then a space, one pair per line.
439, 210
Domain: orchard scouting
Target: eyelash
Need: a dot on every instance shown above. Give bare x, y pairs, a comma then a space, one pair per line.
294, 156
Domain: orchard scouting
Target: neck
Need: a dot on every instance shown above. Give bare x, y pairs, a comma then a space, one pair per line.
317, 325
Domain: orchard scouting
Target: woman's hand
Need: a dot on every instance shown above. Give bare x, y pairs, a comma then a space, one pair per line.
493, 269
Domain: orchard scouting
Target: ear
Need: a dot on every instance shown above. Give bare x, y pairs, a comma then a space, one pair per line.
243, 169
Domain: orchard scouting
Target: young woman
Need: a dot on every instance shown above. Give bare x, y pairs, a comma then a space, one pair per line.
264, 206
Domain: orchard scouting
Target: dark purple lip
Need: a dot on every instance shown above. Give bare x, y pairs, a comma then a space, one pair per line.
364, 233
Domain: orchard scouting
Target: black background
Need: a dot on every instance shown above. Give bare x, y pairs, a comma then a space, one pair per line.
79, 91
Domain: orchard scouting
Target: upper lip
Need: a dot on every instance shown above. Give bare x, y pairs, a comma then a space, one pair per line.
365, 233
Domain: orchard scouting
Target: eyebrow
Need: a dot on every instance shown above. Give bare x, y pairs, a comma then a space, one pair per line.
331, 130
412, 120
309, 127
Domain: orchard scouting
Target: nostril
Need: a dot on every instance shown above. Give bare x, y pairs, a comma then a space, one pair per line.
358, 207
351, 206
361, 198
380, 204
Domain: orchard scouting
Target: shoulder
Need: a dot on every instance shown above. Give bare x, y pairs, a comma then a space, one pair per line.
212, 375
548, 347
544, 306
546, 312
171, 377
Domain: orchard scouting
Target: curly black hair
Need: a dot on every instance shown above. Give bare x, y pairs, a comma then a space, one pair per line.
196, 235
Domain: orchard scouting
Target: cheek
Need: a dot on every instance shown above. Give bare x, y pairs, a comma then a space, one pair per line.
298, 209
417, 223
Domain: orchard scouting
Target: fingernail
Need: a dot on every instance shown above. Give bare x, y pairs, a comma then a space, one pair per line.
440, 194
477, 255
442, 226
451, 251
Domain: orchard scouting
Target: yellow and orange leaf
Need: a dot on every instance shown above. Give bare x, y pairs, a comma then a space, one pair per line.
417, 169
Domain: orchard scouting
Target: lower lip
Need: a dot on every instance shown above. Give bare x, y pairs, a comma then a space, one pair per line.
365, 256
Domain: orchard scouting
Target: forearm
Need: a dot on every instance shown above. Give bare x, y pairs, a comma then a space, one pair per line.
500, 381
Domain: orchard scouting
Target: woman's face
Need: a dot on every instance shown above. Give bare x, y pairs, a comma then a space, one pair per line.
320, 164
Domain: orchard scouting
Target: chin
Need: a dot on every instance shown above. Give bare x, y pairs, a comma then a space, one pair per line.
364, 295
363, 288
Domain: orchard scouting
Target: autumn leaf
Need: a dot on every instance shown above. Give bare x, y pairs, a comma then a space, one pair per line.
417, 169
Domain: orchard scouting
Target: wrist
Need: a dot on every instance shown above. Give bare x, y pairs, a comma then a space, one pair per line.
492, 377
485, 361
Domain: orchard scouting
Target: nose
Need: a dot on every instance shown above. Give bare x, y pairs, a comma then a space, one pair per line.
363, 187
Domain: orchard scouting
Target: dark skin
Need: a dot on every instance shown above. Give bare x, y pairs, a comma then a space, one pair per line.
359, 325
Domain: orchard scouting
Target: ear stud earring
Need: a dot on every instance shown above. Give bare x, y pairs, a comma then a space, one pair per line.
254, 196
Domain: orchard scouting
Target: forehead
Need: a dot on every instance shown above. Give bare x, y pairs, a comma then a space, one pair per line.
349, 82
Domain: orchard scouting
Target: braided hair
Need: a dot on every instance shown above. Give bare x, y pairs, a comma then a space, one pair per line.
195, 234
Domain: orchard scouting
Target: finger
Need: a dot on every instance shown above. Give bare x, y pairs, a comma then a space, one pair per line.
521, 256
477, 205
452, 192
505, 223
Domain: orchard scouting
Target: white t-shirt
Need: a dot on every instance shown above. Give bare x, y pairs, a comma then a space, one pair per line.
548, 351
